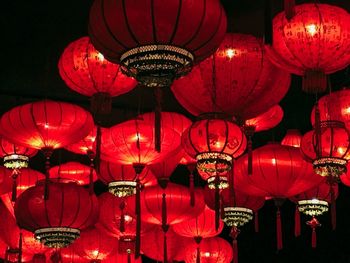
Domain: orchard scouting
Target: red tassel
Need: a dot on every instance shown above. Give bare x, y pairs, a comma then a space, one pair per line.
235, 251
165, 247
256, 221
91, 177
158, 118
122, 217
48, 153
164, 212
14, 176
217, 203
98, 148
198, 257
318, 145
296, 222
138, 220
192, 198
289, 9
279, 230
313, 238
333, 209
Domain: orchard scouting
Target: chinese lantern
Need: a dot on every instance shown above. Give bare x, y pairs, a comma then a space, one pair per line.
46, 125
94, 245
292, 138
307, 44
315, 202
238, 80
74, 171
57, 221
121, 179
185, 34
85, 146
328, 149
86, 71
212, 250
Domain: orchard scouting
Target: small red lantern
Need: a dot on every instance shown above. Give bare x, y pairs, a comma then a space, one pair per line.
87, 72
211, 250
327, 149
237, 80
74, 171
95, 245
266, 120
307, 44
185, 34
121, 179
292, 138
57, 221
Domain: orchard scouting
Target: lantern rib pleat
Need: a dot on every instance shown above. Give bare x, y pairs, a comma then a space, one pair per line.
131, 32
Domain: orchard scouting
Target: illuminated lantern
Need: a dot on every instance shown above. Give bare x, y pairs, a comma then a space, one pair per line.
279, 172
74, 171
212, 250
214, 142
307, 44
86, 146
121, 179
87, 72
156, 57
57, 221
46, 125
315, 202
154, 247
238, 80
328, 149
95, 245
292, 138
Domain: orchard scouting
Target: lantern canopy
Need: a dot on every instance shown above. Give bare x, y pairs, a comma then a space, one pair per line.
307, 44
153, 42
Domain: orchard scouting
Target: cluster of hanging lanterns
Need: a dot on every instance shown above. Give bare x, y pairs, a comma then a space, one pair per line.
231, 83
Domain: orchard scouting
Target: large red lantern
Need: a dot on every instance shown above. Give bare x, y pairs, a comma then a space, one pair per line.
307, 44
328, 149
211, 250
87, 72
238, 80
57, 221
171, 39
95, 246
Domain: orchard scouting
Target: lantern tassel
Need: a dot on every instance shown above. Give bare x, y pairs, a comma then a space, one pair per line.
256, 222
98, 148
296, 222
158, 118
268, 23
313, 238
138, 220
165, 248
14, 176
129, 256
234, 234
91, 176
217, 203
101, 103
333, 209
314, 81
48, 153
198, 256
192, 198
313, 223
122, 217
289, 9
279, 230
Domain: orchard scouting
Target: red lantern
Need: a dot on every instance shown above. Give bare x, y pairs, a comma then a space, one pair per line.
292, 138
87, 72
186, 33
328, 149
238, 80
57, 221
307, 44
121, 179
74, 171
214, 142
86, 146
95, 245
266, 120
211, 250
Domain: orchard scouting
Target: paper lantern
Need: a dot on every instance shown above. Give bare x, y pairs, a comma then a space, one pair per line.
307, 44
238, 80
87, 72
266, 120
57, 221
292, 138
185, 34
86, 146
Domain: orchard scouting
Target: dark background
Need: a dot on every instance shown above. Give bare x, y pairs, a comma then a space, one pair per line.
34, 34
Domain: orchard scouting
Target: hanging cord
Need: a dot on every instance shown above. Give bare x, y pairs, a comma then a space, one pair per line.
47, 153
15, 173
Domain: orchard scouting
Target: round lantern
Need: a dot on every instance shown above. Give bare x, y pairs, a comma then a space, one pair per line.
327, 149
86, 71
57, 221
15, 156
95, 245
211, 250
292, 138
86, 146
238, 80
214, 142
171, 39
307, 44
74, 171
121, 179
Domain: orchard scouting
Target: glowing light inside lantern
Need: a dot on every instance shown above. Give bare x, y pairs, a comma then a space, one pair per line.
346, 111
100, 57
46, 125
127, 218
207, 254
273, 161
94, 253
341, 150
230, 53
311, 29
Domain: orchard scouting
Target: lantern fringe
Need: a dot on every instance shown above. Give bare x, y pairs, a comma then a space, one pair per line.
47, 153
192, 198
314, 81
122, 217
158, 118
256, 222
313, 238
279, 230
289, 9
296, 222
14, 176
98, 148
268, 23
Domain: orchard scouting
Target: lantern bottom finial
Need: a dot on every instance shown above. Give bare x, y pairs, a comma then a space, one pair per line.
312, 207
156, 65
122, 188
237, 216
16, 161
330, 166
57, 237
